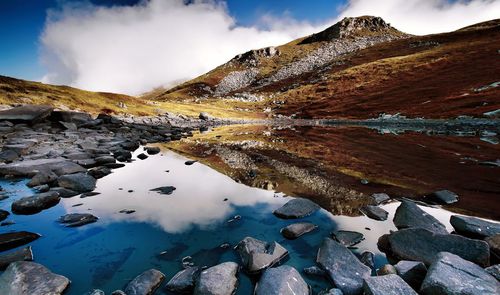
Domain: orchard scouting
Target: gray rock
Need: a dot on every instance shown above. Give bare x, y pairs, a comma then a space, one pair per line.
8, 156
184, 281
412, 272
15, 239
409, 215
118, 292
380, 198
42, 177
100, 172
282, 280
494, 243
71, 117
152, 150
450, 274
164, 190
27, 113
22, 254
297, 208
494, 270
96, 292
333, 291
35, 203
42, 188
146, 283
342, 266
257, 255
419, 244
29, 168
105, 160
347, 238
25, 277
368, 259
77, 219
314, 271
296, 230
3, 214
64, 192
474, 227
79, 182
375, 212
390, 284
218, 280
69, 126
387, 269
444, 197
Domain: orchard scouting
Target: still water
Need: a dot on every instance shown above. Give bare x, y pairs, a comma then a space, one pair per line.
193, 221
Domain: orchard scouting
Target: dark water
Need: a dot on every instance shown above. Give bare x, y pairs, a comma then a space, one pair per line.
192, 221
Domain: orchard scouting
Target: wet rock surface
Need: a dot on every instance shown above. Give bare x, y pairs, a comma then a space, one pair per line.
14, 239
257, 255
282, 280
77, 219
296, 230
146, 283
35, 203
218, 280
297, 208
409, 215
22, 254
183, 282
390, 284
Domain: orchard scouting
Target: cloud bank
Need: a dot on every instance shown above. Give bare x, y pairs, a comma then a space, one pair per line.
161, 42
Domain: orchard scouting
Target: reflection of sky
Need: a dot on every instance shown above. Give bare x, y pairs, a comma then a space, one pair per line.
198, 198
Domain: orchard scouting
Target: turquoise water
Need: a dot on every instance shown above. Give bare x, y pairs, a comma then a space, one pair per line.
193, 221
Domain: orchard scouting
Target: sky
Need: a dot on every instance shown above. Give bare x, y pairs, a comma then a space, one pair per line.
132, 46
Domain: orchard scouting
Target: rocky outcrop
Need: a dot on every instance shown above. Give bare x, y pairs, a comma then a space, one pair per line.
282, 280
146, 283
24, 277
257, 255
218, 280
297, 208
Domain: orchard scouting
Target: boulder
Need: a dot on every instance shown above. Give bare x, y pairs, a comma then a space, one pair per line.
8, 156
342, 267
26, 114
26, 277
494, 270
35, 203
296, 230
184, 281
22, 254
409, 215
77, 219
380, 198
412, 272
152, 150
347, 238
374, 212
3, 214
390, 284
474, 227
387, 269
445, 197
146, 283
282, 280
42, 177
15, 239
419, 244
79, 182
64, 192
218, 280
257, 255
29, 168
450, 274
297, 208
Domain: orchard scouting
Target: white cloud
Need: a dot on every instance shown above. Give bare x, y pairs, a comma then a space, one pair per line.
160, 42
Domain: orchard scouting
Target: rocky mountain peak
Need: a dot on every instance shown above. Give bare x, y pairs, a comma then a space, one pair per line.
352, 27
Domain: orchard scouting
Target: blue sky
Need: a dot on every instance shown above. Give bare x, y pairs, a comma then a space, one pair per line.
22, 22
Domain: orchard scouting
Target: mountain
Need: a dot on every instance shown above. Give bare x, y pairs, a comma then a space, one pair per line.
358, 68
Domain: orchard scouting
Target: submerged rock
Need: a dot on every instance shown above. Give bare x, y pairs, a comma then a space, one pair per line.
390, 284
419, 244
164, 190
77, 219
474, 227
333, 291
3, 214
257, 255
23, 254
282, 280
25, 277
296, 230
409, 215
297, 208
79, 182
342, 266
450, 274
146, 283
412, 272
347, 238
444, 197
96, 292
184, 281
375, 212
218, 280
36, 203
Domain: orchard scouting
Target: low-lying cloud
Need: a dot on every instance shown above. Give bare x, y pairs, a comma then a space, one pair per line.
161, 42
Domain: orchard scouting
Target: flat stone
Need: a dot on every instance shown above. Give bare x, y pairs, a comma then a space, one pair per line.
70, 117
296, 230
146, 283
342, 267
282, 280
41, 188
3, 214
77, 219
474, 227
419, 244
257, 255
375, 212
105, 160
218, 280
450, 274
412, 272
444, 197
380, 198
26, 277
28, 113
69, 126
494, 270
29, 168
347, 238
22, 254
79, 182
15, 239
184, 281
409, 215
35, 203
390, 284
297, 208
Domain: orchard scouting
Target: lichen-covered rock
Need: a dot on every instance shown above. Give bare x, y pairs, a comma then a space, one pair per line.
282, 280
218, 280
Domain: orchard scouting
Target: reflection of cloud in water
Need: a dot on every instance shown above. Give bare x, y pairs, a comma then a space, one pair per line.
198, 199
